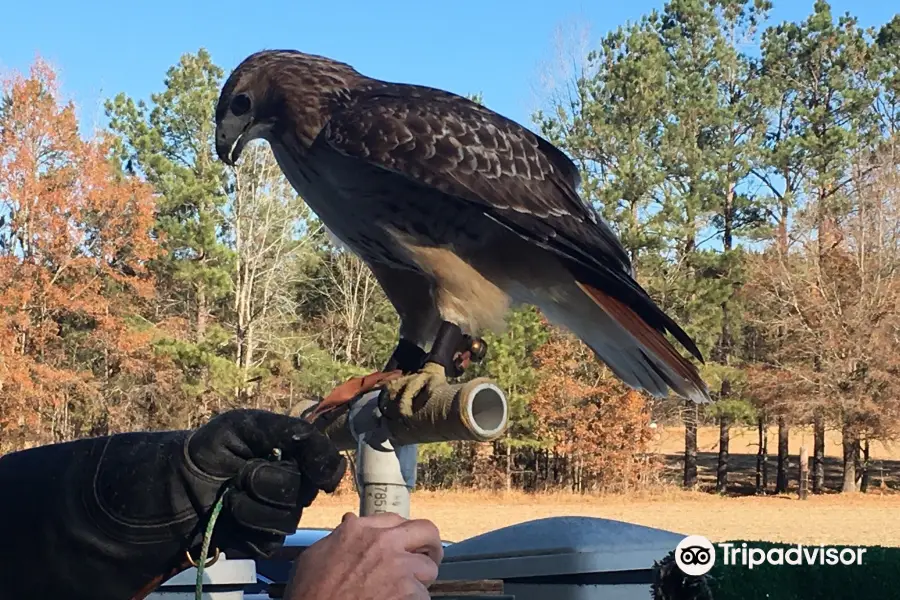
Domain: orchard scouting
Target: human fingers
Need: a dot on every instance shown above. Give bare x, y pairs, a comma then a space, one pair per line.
421, 536
317, 457
277, 484
230, 439
383, 520
270, 496
412, 589
422, 567
370, 527
251, 433
418, 536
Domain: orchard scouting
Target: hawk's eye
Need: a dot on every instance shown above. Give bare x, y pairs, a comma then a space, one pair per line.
240, 105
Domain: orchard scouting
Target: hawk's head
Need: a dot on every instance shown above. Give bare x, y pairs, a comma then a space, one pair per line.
272, 92
247, 107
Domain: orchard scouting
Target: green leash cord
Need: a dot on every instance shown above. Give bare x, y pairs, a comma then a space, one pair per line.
207, 539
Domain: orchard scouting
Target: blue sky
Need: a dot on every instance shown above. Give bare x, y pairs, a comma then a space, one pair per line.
497, 47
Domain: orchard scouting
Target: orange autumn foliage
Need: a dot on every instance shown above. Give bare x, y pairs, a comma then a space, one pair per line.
582, 411
74, 246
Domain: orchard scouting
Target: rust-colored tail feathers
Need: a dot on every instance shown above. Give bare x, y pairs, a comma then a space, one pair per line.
658, 353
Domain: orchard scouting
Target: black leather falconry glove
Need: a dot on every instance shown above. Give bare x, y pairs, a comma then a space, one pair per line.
102, 518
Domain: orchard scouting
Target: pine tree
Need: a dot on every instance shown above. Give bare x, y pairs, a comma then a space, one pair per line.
170, 142
611, 126
713, 126
820, 99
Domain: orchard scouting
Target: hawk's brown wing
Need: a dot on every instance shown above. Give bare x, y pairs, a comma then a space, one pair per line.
446, 142
450, 143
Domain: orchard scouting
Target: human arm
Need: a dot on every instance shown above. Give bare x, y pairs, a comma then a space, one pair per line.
100, 518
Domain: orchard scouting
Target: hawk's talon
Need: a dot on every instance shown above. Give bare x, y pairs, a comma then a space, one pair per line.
405, 391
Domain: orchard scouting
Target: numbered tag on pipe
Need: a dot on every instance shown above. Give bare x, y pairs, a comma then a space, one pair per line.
384, 498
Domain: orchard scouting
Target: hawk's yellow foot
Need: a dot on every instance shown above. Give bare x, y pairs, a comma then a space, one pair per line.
405, 390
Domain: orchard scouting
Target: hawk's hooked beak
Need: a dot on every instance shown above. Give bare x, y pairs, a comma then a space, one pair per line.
231, 138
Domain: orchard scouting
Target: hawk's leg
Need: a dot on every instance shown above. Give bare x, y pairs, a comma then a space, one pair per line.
450, 354
410, 293
454, 350
407, 357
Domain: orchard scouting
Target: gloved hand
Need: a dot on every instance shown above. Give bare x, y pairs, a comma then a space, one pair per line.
100, 518
268, 495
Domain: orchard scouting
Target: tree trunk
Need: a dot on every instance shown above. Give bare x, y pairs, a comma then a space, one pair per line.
864, 479
781, 478
725, 344
722, 467
690, 445
483, 458
240, 338
804, 473
782, 225
554, 465
579, 479
851, 448
245, 341
202, 312
818, 482
509, 464
762, 457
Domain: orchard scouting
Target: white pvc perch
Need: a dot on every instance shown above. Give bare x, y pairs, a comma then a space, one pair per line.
388, 447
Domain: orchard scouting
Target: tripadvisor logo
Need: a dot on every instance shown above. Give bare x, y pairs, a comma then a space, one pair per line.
750, 557
695, 555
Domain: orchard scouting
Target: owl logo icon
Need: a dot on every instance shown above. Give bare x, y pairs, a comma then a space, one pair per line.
695, 555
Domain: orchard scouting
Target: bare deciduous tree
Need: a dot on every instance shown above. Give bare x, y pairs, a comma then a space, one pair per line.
268, 223
836, 310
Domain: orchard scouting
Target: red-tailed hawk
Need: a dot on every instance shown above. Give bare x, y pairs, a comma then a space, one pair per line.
460, 213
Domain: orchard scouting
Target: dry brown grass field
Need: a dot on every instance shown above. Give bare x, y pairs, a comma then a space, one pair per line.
831, 519
866, 519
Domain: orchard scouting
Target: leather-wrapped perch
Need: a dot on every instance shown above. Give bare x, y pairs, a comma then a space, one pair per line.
473, 411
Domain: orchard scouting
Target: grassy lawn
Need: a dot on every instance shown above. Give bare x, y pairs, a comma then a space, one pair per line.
830, 519
868, 519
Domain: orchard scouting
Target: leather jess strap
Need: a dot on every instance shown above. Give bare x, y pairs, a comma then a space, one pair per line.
342, 395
